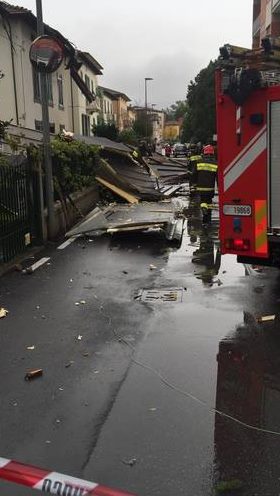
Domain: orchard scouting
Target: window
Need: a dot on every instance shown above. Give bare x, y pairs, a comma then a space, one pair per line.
87, 81
92, 87
37, 87
39, 126
61, 128
85, 125
60, 91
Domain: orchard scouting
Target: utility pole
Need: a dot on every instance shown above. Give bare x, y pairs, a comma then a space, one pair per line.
146, 106
46, 131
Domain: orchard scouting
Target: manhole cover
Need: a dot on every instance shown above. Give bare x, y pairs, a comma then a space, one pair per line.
174, 295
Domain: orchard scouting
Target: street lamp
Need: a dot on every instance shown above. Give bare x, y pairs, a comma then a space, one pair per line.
146, 105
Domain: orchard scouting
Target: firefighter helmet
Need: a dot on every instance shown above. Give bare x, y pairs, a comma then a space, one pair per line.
208, 150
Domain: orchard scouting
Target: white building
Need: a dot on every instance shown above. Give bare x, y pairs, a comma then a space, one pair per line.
85, 114
107, 108
20, 89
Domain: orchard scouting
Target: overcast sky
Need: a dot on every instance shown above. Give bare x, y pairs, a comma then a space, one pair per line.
168, 40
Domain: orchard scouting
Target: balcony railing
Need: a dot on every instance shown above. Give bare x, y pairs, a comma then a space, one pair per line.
275, 6
257, 25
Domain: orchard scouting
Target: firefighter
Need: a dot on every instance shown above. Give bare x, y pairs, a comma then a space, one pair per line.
205, 178
194, 158
135, 154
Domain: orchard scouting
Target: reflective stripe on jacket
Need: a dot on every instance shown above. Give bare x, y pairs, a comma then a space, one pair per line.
195, 158
207, 167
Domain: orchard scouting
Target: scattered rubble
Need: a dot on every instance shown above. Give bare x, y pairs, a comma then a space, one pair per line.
69, 364
3, 313
130, 462
33, 374
153, 267
266, 318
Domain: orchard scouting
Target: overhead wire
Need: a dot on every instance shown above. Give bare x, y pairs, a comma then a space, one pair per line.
174, 387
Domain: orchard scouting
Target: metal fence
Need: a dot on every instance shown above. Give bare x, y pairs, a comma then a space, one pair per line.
15, 207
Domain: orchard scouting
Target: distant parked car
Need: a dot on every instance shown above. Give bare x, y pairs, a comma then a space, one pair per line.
180, 150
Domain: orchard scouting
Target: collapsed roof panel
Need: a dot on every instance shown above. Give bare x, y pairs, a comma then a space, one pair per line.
126, 217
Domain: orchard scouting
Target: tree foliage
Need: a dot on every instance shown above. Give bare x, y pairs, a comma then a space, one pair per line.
176, 110
104, 130
3, 128
200, 119
129, 137
143, 127
74, 163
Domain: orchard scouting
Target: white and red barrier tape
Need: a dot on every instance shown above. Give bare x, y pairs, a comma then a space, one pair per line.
52, 482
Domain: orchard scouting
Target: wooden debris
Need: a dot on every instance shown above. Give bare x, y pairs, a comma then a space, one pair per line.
266, 318
123, 194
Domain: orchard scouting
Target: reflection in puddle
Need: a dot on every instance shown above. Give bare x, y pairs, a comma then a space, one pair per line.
248, 388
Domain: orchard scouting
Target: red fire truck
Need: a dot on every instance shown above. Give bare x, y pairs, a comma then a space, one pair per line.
248, 127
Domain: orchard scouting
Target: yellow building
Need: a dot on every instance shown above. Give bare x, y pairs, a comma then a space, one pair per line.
172, 130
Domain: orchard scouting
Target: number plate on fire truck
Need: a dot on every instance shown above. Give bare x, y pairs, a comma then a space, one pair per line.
244, 210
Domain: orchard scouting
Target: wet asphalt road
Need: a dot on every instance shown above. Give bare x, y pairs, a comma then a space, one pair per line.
140, 385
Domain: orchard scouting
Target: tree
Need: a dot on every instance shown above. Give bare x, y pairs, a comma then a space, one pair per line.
176, 110
104, 130
143, 127
200, 119
129, 137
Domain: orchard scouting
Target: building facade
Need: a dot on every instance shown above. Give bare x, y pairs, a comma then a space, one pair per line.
85, 114
266, 20
155, 117
172, 130
107, 113
20, 87
119, 107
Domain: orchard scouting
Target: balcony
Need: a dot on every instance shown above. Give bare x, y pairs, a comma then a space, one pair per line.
257, 25
275, 6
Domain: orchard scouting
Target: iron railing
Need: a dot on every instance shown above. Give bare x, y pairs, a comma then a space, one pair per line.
15, 206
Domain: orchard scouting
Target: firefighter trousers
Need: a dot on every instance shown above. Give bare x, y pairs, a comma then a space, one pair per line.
206, 198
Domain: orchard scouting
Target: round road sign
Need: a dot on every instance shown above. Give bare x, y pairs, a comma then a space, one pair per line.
46, 54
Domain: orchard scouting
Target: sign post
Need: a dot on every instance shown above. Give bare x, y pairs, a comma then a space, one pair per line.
46, 54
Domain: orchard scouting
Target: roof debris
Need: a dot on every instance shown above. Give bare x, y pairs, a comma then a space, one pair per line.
115, 218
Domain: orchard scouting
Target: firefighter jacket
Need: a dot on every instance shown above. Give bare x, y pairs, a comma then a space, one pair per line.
206, 174
193, 160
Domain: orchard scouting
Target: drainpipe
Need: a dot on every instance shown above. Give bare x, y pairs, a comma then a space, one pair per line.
72, 104
10, 36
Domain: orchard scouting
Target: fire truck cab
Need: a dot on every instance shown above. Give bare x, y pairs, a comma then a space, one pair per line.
248, 128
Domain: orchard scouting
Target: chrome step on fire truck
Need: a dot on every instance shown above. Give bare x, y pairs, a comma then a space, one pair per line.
248, 128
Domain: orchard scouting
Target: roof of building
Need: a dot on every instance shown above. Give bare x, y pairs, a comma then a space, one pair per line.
89, 60
114, 94
15, 10
150, 109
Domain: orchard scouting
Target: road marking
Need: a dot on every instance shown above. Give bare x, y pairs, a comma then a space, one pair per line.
38, 264
66, 243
